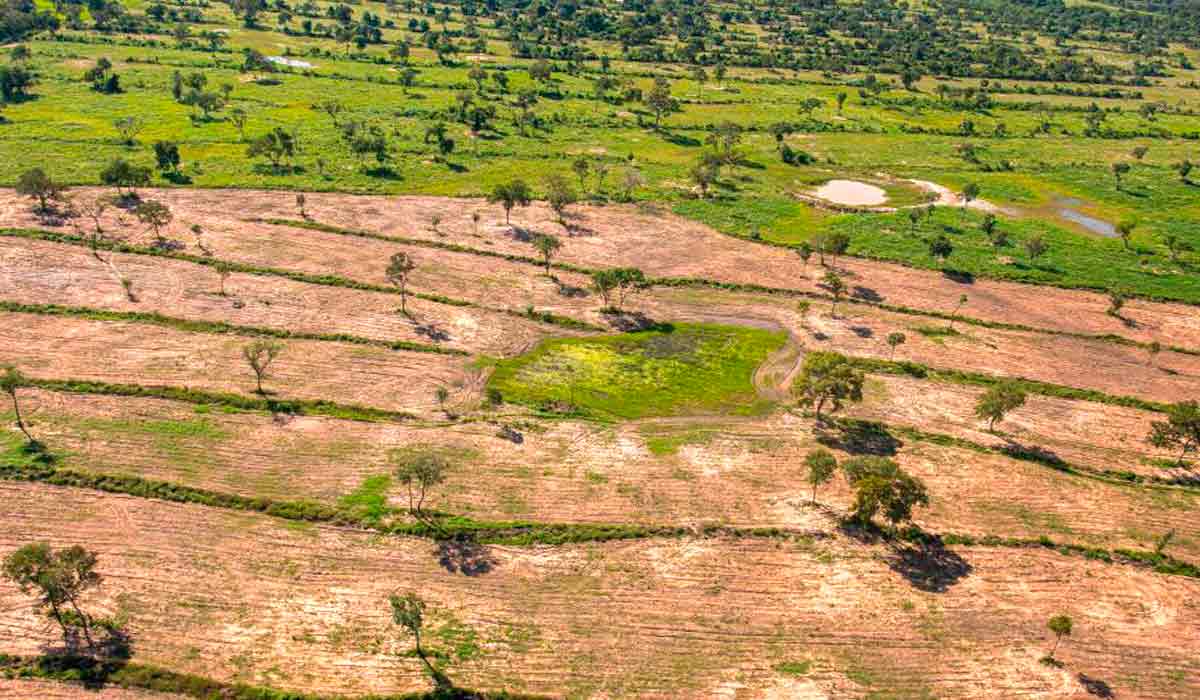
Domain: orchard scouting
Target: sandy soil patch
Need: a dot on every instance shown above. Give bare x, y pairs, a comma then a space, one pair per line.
25, 689
852, 193
240, 596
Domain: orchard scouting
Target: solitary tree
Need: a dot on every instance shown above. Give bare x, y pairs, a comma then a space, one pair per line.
914, 218
1061, 626
997, 401
58, 579
36, 184
836, 286
547, 246
970, 193
659, 99
821, 465
617, 284
259, 355
420, 473
408, 613
940, 247
559, 194
962, 301
1125, 229
1180, 431
1119, 170
400, 266
10, 381
828, 378
509, 195
894, 340
880, 485
123, 175
156, 215
1036, 247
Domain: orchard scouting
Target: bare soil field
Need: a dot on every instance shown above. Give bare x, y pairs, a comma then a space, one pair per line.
670, 472
36, 272
663, 245
25, 689
119, 352
244, 597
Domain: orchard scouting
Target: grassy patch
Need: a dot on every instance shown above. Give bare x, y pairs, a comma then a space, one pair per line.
679, 370
369, 500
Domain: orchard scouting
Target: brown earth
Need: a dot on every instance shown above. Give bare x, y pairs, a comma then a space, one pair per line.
24, 689
36, 272
243, 597
120, 352
674, 472
662, 245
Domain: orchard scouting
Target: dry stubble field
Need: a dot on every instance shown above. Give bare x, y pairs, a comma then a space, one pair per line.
252, 598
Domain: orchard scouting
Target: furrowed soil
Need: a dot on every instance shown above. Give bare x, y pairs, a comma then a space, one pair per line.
21, 689
121, 352
663, 245
656, 472
244, 597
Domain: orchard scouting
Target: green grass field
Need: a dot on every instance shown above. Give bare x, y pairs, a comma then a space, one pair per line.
686, 369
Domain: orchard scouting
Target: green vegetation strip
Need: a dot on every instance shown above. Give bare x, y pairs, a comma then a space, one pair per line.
1032, 386
672, 370
226, 400
323, 280
19, 463
194, 326
127, 674
697, 282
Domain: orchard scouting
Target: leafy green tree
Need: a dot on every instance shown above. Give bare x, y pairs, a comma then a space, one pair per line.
827, 378
36, 184
260, 355
821, 465
970, 193
408, 613
59, 579
914, 218
1036, 247
156, 215
880, 485
277, 145
559, 195
420, 473
1180, 431
547, 246
998, 401
1125, 228
940, 247
616, 285
511, 194
400, 266
659, 100
166, 156
123, 175
10, 381
1060, 626
894, 340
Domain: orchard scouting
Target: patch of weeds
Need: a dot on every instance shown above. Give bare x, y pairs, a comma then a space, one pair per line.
369, 500
794, 668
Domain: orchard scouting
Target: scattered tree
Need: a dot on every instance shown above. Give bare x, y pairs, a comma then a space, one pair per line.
894, 340
259, 355
821, 465
1125, 228
836, 286
400, 266
10, 381
1060, 626
36, 184
59, 579
880, 485
124, 175
408, 613
1119, 169
156, 215
615, 285
559, 195
511, 194
828, 378
998, 401
1180, 431
547, 246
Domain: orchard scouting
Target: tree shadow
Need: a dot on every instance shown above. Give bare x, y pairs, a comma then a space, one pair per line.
1034, 453
958, 276
431, 331
465, 555
521, 234
679, 139
865, 294
862, 331
928, 566
570, 291
1095, 686
859, 438
631, 321
383, 172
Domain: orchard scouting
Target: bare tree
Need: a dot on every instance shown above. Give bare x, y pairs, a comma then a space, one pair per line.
259, 355
400, 266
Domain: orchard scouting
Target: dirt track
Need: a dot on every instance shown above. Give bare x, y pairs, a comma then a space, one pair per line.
238, 596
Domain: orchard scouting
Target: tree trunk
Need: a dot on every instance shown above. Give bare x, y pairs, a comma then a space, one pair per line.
21, 422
